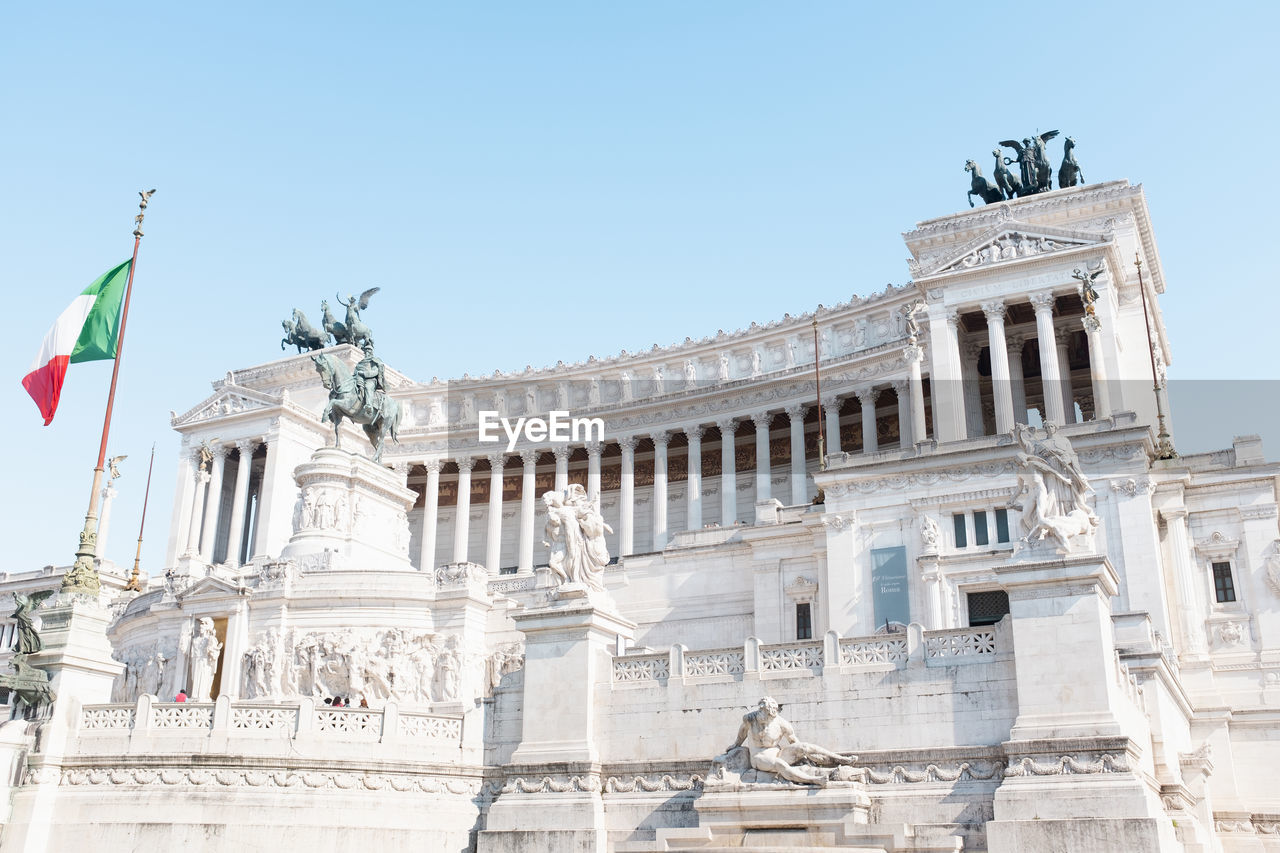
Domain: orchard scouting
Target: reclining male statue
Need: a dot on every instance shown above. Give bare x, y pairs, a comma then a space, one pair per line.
773, 748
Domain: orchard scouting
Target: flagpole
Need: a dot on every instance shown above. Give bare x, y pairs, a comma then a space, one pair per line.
83, 576
133, 584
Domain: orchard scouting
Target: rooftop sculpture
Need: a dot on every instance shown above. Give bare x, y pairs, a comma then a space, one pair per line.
1034, 175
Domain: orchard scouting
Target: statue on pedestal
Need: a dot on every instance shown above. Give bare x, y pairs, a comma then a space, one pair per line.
772, 748
575, 534
361, 397
29, 685
204, 661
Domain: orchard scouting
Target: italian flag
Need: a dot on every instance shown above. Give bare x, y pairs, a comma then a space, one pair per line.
89, 330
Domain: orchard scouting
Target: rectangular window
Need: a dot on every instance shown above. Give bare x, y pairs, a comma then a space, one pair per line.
508, 570
1002, 525
804, 622
1223, 587
987, 608
958, 520
980, 528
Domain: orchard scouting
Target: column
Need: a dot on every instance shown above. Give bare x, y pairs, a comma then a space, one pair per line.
763, 467
728, 473
462, 513
916, 390
948, 387
693, 481
799, 472
104, 519
660, 440
1068, 397
1050, 370
1097, 371
1017, 381
999, 365
627, 497
870, 440
831, 411
593, 472
430, 511
561, 453
493, 542
240, 503
212, 503
972, 390
182, 503
902, 388
197, 513
1189, 607
527, 487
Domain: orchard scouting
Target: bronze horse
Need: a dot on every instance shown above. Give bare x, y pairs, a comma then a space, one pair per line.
981, 186
346, 401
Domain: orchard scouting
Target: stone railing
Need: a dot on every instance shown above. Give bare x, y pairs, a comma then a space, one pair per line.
511, 583
952, 647
301, 719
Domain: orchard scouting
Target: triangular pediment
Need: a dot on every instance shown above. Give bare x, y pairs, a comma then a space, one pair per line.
211, 586
227, 400
1007, 243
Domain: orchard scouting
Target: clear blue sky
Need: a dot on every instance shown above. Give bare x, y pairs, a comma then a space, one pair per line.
531, 182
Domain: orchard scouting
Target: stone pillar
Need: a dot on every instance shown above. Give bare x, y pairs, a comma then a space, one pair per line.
948, 385
561, 453
213, 503
197, 513
914, 357
728, 473
999, 365
430, 515
237, 643
1017, 381
493, 540
1050, 370
799, 471
763, 466
1190, 608
528, 486
104, 519
870, 440
693, 483
1097, 370
240, 503
627, 497
660, 440
593, 472
184, 493
462, 512
831, 411
1068, 396
972, 393
933, 595
902, 389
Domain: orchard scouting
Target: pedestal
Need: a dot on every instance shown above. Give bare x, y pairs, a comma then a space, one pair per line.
551, 797
77, 653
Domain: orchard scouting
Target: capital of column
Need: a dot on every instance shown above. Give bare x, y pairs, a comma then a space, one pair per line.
1091, 323
867, 396
530, 458
561, 452
594, 448
246, 446
952, 317
796, 412
693, 433
401, 468
1043, 301
972, 350
831, 402
761, 420
1015, 343
995, 310
433, 465
660, 438
727, 426
628, 443
901, 386
912, 353
497, 461
465, 463
1173, 513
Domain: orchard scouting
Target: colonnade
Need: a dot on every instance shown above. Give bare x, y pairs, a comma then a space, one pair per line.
201, 502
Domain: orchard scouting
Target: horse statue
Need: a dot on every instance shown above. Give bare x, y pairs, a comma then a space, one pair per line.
981, 186
346, 399
1069, 174
332, 326
1009, 183
290, 335
358, 334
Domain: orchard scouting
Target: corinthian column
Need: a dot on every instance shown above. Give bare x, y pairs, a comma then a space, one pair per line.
660, 440
493, 540
527, 488
213, 504
728, 473
1101, 399
430, 513
104, 519
694, 478
763, 466
462, 517
870, 440
593, 472
197, 512
799, 476
916, 383
561, 453
239, 504
902, 389
1050, 370
995, 312
831, 411
1068, 396
627, 497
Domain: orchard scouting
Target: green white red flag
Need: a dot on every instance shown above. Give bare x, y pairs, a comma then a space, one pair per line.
88, 330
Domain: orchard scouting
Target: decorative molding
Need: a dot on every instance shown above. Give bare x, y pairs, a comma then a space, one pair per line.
250, 779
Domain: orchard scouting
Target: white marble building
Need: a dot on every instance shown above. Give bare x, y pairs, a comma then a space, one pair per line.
1100, 676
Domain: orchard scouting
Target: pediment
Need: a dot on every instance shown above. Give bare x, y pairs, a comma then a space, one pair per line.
227, 400
1009, 242
211, 587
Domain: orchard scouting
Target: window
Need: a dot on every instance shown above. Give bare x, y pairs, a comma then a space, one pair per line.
1223, 587
987, 608
804, 621
1002, 525
961, 539
980, 536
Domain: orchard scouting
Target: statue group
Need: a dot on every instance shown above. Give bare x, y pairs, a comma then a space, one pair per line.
1035, 172
575, 535
300, 333
30, 686
1053, 492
